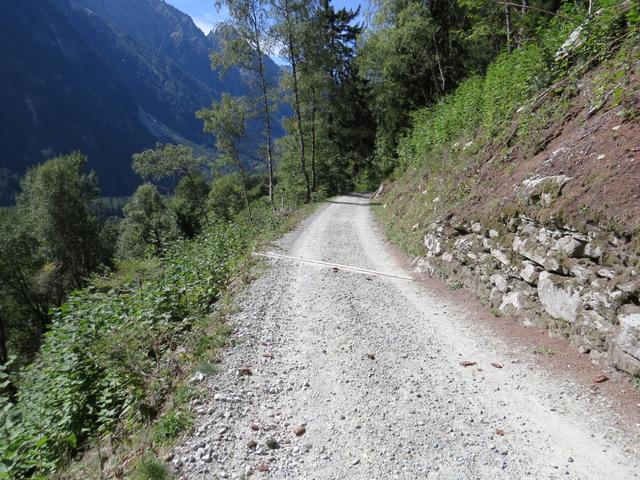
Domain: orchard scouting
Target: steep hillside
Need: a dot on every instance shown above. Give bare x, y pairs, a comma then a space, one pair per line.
59, 95
89, 78
532, 197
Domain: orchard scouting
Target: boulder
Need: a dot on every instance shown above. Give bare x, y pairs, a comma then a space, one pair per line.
560, 296
545, 188
530, 273
434, 245
596, 298
582, 271
594, 249
528, 249
631, 287
477, 228
606, 273
422, 265
500, 256
570, 246
500, 281
514, 301
626, 348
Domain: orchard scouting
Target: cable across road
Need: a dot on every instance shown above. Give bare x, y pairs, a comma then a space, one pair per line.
365, 271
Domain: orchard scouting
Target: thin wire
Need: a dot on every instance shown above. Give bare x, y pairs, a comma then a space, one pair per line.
329, 264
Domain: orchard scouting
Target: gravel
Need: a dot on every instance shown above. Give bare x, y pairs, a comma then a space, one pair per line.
360, 376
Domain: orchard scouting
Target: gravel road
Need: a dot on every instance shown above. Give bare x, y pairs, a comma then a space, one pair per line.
360, 376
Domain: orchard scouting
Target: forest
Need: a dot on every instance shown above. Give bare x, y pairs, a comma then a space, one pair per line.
108, 306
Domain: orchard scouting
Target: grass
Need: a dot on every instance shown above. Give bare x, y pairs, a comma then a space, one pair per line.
150, 468
496, 312
543, 350
171, 424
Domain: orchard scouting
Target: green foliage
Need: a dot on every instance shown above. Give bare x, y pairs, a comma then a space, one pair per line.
148, 225
226, 198
108, 362
49, 244
56, 207
150, 468
167, 161
482, 107
189, 204
511, 80
455, 114
28, 281
170, 425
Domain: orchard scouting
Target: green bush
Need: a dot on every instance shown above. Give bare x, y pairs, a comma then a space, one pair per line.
109, 362
510, 81
457, 113
150, 468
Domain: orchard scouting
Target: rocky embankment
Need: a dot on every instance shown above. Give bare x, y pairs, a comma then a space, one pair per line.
584, 284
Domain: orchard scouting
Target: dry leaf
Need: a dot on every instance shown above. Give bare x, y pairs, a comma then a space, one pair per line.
600, 379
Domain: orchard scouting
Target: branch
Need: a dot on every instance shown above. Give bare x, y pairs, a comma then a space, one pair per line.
548, 12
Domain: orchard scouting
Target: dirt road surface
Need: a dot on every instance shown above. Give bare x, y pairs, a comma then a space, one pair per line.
337, 374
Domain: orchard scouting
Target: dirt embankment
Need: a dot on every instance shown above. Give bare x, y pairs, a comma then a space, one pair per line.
547, 228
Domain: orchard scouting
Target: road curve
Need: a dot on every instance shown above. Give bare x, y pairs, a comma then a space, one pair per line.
370, 366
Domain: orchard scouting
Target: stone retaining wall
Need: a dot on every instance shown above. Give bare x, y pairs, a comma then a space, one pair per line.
582, 284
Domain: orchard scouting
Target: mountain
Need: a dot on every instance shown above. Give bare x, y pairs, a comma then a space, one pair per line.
106, 77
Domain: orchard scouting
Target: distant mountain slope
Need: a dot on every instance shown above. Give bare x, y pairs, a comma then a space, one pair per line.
107, 77
57, 95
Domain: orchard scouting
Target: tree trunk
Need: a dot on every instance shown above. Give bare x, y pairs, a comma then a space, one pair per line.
523, 12
314, 182
245, 187
507, 18
265, 106
4, 356
296, 93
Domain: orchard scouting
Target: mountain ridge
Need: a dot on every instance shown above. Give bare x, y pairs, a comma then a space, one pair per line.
109, 84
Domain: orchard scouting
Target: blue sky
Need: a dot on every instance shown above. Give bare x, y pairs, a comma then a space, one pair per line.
205, 14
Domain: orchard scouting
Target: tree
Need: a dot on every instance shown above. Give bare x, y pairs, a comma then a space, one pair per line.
245, 42
345, 119
148, 223
290, 17
175, 162
167, 161
56, 204
29, 287
226, 198
413, 56
227, 121
189, 204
